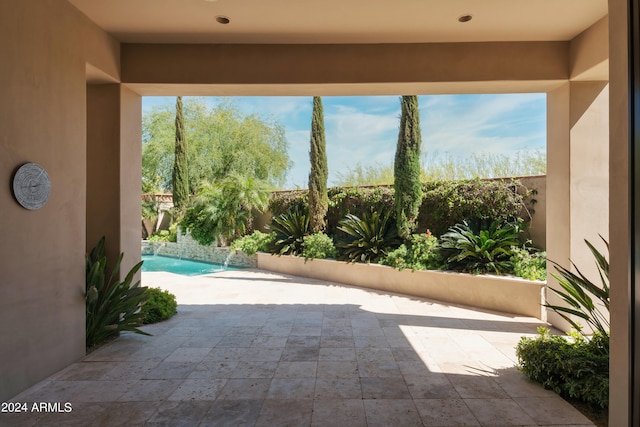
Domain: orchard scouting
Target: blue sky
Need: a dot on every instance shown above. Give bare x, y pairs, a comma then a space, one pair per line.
364, 129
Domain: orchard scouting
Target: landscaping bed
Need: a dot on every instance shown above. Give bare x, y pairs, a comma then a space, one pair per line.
500, 293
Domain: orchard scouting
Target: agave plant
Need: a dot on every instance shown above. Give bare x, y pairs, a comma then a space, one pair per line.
368, 239
290, 228
112, 306
577, 290
487, 250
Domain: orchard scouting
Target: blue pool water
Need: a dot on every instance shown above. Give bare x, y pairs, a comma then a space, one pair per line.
186, 267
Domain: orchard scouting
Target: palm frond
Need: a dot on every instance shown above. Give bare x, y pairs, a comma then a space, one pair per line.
578, 292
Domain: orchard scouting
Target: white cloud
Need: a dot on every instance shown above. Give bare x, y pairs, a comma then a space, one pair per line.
365, 129
282, 108
354, 136
492, 124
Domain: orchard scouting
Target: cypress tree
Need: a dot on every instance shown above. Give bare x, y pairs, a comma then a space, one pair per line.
180, 176
318, 199
406, 168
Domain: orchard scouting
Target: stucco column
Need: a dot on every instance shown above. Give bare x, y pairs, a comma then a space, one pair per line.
577, 178
621, 264
558, 181
114, 156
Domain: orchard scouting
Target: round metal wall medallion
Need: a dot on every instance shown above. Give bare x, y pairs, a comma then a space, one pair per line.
31, 186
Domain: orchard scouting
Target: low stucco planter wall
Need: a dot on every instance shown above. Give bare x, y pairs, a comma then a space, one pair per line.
499, 293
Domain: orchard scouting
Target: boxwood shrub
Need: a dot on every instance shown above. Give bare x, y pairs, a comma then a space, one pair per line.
161, 305
574, 367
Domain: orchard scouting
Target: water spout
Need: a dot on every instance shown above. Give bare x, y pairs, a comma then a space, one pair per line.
226, 261
156, 250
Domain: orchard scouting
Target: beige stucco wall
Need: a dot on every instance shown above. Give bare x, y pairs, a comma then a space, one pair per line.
589, 169
42, 117
103, 173
558, 184
589, 53
114, 156
499, 293
130, 177
101, 53
578, 159
577, 178
421, 68
619, 219
48, 45
538, 227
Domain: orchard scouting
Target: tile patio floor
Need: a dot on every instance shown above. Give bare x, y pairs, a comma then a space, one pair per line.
252, 348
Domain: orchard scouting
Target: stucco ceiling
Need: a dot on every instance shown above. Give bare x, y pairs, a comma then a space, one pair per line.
341, 21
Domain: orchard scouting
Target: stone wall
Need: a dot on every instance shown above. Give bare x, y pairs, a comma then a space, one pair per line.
188, 248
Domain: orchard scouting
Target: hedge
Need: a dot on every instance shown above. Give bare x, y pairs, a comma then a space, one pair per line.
444, 204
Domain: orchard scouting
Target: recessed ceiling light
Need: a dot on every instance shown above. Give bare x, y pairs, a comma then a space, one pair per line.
465, 18
222, 19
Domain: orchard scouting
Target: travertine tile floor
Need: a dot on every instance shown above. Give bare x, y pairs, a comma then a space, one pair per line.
252, 348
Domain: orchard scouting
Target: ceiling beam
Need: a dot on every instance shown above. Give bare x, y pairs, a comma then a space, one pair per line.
452, 67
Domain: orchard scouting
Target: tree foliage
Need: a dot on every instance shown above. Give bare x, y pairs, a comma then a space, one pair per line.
447, 203
180, 177
222, 211
318, 199
444, 204
222, 141
408, 189
444, 168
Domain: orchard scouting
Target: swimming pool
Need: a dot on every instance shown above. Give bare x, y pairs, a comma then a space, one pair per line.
185, 267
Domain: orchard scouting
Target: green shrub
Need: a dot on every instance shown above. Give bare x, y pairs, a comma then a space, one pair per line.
170, 235
318, 246
420, 253
222, 210
575, 367
290, 229
342, 201
199, 221
358, 202
160, 305
529, 265
447, 203
367, 239
282, 202
112, 306
487, 250
254, 242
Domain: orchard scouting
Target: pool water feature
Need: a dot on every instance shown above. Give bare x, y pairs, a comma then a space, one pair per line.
185, 267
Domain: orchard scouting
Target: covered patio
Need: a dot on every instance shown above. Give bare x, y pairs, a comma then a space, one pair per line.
256, 348
74, 73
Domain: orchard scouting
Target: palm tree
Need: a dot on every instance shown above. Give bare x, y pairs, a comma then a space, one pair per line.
224, 210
